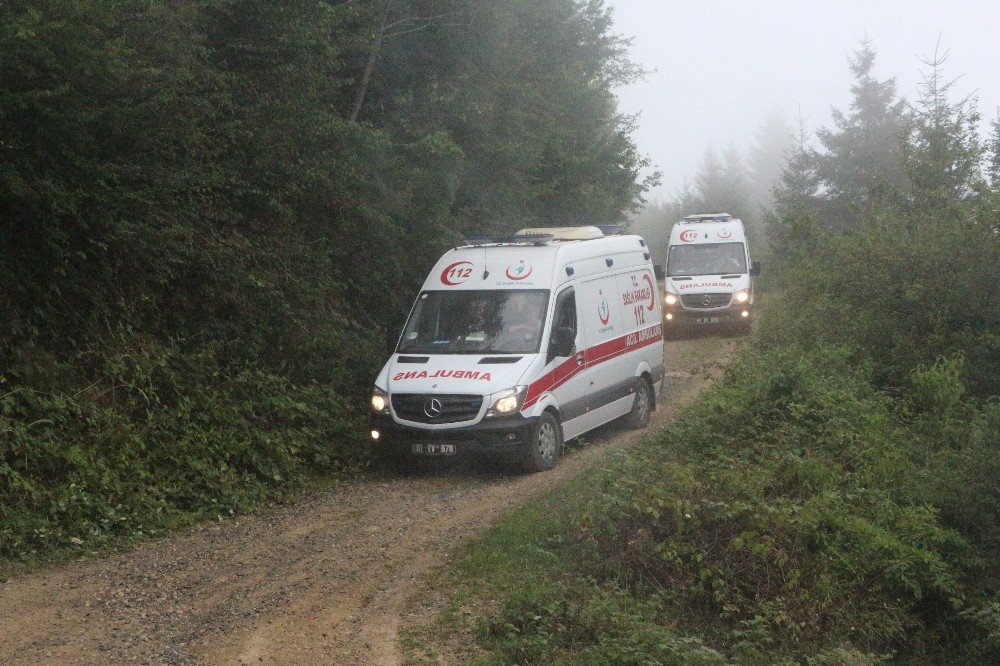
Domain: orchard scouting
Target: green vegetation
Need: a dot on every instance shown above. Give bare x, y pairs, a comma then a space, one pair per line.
794, 514
834, 498
211, 212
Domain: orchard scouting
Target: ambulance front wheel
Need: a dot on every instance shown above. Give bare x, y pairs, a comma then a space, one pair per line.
642, 407
546, 444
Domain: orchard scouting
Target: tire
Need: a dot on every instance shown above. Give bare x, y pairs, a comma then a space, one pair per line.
642, 406
546, 444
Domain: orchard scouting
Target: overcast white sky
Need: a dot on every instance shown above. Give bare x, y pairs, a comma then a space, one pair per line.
719, 66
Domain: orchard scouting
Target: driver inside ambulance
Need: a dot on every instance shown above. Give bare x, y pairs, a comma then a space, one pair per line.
523, 317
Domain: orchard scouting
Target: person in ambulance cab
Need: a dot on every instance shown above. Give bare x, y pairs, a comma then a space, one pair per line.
522, 318
478, 323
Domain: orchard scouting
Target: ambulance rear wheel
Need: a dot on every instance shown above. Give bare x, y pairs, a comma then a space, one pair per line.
546, 444
642, 407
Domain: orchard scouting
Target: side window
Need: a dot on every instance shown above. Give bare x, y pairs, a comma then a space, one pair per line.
564, 317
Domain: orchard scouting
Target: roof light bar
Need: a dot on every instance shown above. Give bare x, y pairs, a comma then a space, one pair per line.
707, 217
534, 239
519, 239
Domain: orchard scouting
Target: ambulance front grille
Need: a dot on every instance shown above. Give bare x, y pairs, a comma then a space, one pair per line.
436, 407
705, 301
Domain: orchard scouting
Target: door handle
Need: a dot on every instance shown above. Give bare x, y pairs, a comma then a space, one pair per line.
579, 358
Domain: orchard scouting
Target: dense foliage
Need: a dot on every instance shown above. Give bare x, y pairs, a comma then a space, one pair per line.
211, 211
835, 498
802, 513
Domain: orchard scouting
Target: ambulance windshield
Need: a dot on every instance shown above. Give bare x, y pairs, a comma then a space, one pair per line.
475, 322
706, 259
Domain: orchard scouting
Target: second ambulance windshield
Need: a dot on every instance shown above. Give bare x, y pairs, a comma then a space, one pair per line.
706, 259
475, 322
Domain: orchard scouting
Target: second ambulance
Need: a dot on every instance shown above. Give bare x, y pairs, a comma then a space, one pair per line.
708, 277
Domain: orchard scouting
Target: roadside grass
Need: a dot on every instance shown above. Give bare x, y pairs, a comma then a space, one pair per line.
527, 545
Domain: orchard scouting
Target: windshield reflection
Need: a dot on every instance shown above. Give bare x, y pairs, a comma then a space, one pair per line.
706, 259
469, 322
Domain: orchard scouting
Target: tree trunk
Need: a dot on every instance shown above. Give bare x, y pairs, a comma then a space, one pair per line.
359, 96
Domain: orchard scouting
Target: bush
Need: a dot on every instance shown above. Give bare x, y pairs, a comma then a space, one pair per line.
584, 624
168, 436
798, 512
901, 290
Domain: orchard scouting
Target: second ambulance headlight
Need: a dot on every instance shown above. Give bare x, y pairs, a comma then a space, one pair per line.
507, 401
380, 401
742, 296
671, 299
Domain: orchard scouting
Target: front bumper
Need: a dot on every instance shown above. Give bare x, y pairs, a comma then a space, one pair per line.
681, 317
505, 434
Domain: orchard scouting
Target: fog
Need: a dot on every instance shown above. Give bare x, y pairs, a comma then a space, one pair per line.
718, 67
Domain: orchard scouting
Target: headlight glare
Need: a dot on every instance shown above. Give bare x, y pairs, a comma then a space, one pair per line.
504, 405
742, 296
380, 401
671, 299
508, 401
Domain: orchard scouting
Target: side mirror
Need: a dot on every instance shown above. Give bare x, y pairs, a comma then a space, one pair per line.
754, 268
563, 342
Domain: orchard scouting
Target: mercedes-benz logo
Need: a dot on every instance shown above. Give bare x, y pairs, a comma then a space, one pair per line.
432, 407
706, 300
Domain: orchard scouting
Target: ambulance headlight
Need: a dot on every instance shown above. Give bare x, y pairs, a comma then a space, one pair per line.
380, 401
742, 296
507, 401
671, 299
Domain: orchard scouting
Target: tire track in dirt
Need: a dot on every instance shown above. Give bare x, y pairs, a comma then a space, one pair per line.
325, 580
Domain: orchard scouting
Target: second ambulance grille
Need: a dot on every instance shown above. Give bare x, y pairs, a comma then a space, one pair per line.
702, 301
436, 407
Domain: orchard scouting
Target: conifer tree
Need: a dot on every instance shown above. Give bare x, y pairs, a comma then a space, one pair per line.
944, 152
721, 184
861, 161
993, 154
793, 230
767, 158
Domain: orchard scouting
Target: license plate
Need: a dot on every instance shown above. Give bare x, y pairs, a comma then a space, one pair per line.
707, 320
433, 449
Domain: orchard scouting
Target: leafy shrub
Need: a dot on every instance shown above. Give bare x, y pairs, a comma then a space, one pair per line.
797, 511
558, 625
167, 436
902, 289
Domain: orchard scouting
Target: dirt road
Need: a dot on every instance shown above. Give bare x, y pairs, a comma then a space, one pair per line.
322, 581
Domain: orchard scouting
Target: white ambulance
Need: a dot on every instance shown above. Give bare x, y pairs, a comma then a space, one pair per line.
513, 347
708, 276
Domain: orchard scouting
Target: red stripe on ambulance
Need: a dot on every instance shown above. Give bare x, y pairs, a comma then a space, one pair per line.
592, 356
